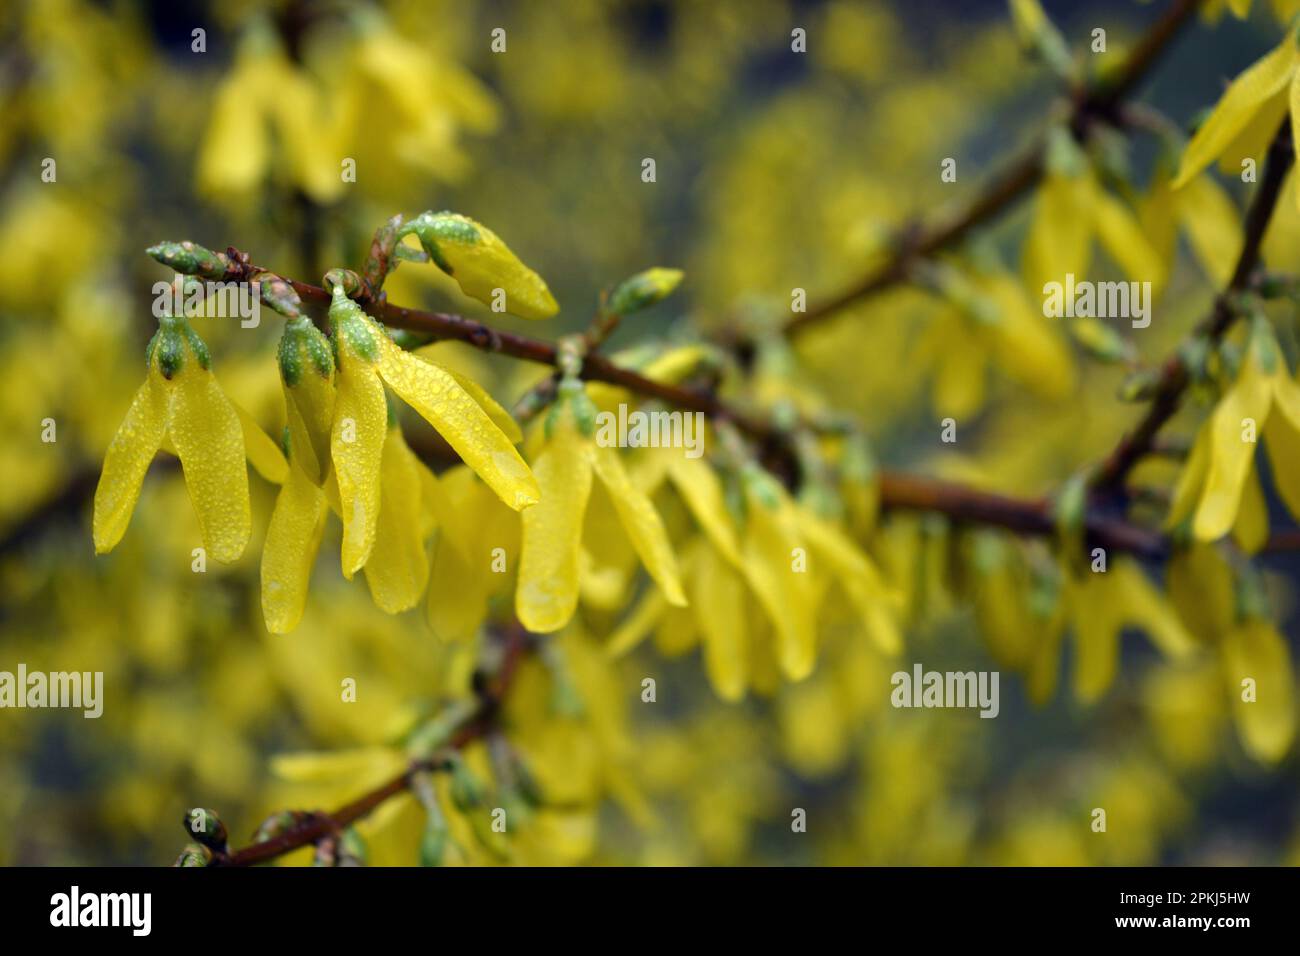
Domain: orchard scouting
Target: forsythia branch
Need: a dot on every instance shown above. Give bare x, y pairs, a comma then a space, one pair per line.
318, 826
1017, 179
1174, 376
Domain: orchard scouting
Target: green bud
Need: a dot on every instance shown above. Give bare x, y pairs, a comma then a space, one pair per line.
1140, 386
643, 289
303, 348
349, 280
1101, 341
174, 341
352, 849
279, 294
348, 320
194, 854
206, 827
467, 792
433, 843
1064, 156
1069, 510
190, 258
571, 394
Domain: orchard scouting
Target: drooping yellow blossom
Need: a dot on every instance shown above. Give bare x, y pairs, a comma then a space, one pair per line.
397, 567
550, 559
482, 264
758, 596
267, 103
298, 519
367, 359
1248, 114
420, 99
289, 552
990, 322
181, 407
1218, 486
1071, 210
1261, 688
1202, 211
1100, 604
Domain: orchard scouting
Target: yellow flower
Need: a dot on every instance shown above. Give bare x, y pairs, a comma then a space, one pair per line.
481, 264
1264, 709
990, 320
1100, 605
550, 561
367, 359
1217, 486
1248, 114
181, 407
1071, 209
267, 102
397, 567
756, 596
1205, 213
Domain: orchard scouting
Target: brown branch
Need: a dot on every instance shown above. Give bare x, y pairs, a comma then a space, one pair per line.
1020, 176
1027, 517
1174, 376
319, 826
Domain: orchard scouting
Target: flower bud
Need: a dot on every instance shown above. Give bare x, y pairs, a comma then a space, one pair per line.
190, 258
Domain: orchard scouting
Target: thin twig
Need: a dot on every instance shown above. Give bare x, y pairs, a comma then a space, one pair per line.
1020, 176
318, 826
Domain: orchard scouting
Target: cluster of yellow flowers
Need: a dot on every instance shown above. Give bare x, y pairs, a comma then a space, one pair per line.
343, 452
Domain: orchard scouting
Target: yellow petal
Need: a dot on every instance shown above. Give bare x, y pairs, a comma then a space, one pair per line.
1254, 139
481, 263
207, 435
309, 411
264, 454
126, 461
1096, 636
1250, 531
1061, 232
701, 490
357, 451
232, 154
292, 541
547, 592
1255, 651
719, 602
1282, 438
398, 566
440, 400
1202, 591
642, 523
457, 601
640, 621
1120, 234
1191, 480
1239, 103
784, 593
1231, 458
1213, 227
500, 417
1141, 605
858, 578
1026, 344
